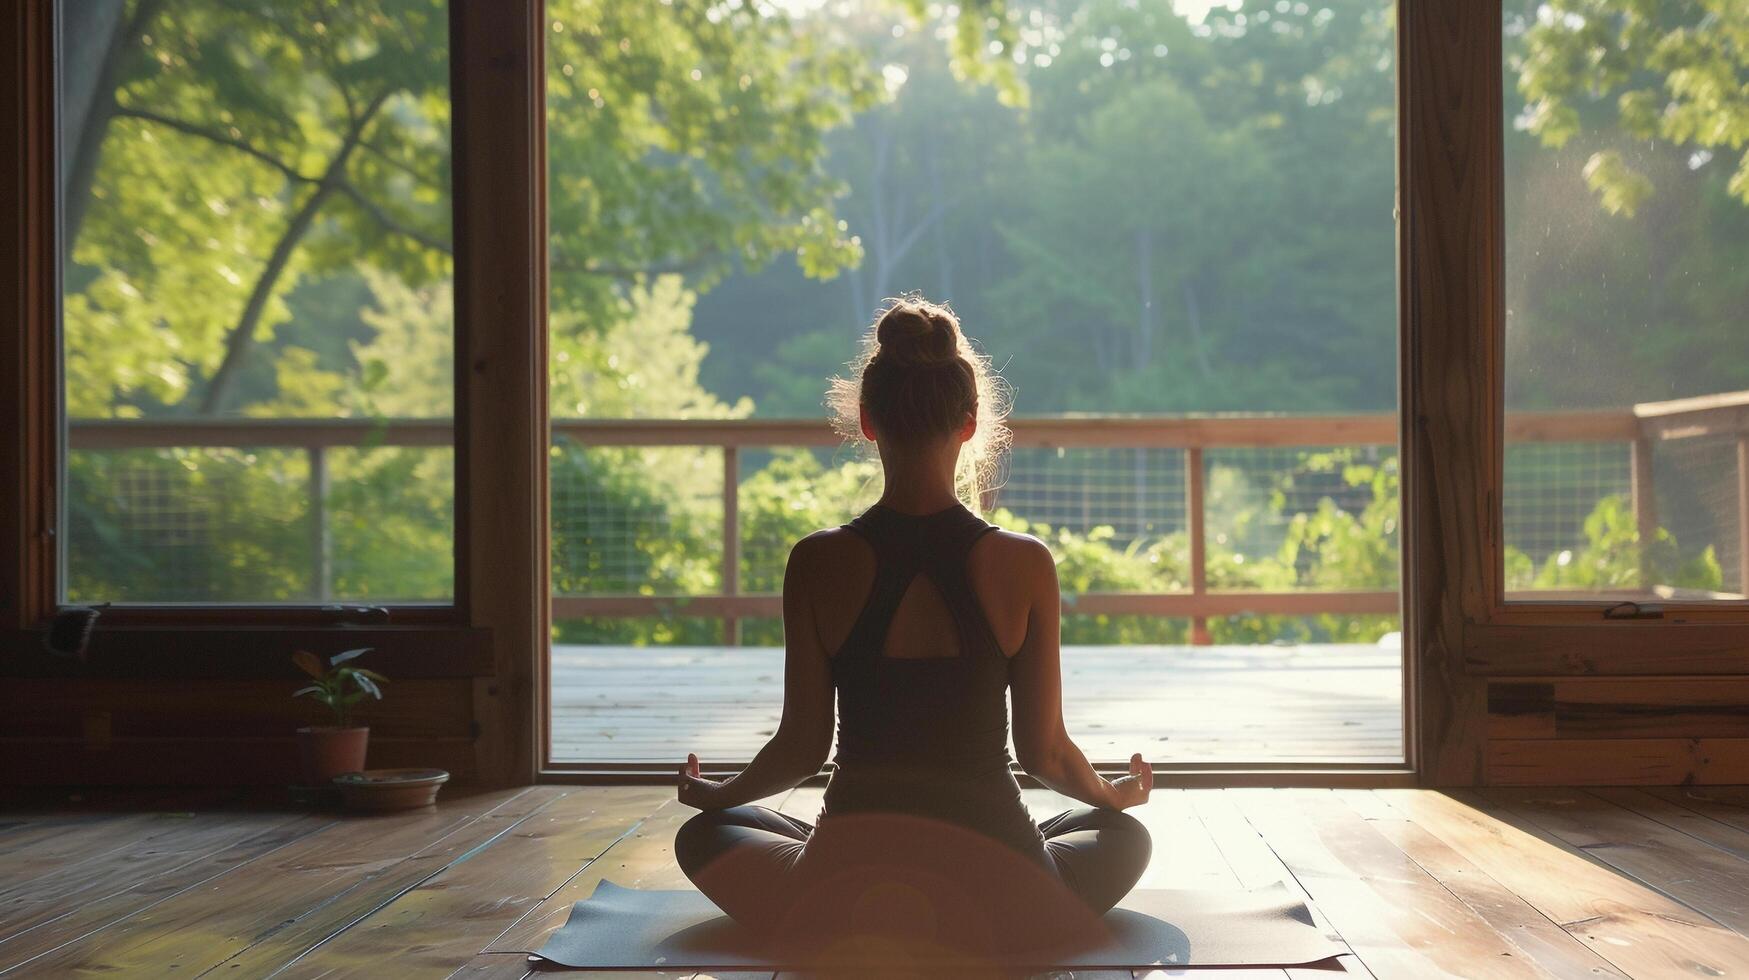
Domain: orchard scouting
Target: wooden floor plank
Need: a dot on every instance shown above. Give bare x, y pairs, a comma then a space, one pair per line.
1641, 931
359, 903
1705, 878
643, 858
1537, 938
201, 928
1256, 865
84, 913
452, 915
1728, 805
1730, 839
1398, 919
62, 888
56, 848
1548, 883
494, 966
1185, 854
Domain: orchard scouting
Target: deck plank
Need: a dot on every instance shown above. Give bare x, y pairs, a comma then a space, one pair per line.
1241, 703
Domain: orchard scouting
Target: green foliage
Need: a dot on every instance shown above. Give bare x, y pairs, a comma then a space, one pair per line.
1614, 559
336, 685
1669, 71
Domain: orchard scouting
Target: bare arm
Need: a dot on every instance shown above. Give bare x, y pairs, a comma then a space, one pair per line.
1040, 738
798, 748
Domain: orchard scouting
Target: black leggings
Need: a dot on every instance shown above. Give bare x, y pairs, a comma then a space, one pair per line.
756, 863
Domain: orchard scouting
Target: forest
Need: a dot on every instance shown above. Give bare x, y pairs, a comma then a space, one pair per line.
1135, 206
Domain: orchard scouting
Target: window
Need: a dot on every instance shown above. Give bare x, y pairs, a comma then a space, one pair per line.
1148, 213
1627, 258
256, 318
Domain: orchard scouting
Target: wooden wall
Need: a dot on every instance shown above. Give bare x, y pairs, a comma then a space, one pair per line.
1618, 730
206, 708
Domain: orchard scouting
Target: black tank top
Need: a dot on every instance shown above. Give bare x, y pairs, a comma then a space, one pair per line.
926, 736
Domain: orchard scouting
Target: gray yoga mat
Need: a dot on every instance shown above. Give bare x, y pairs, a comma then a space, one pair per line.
628, 928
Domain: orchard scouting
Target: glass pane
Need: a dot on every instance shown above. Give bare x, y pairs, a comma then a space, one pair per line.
1627, 230
257, 325
1176, 209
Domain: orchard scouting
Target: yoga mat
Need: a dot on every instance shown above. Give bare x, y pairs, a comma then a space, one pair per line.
628, 928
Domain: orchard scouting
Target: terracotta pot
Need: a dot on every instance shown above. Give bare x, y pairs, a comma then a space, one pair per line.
327, 752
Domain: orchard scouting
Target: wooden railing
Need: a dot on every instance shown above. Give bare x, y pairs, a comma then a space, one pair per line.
1639, 428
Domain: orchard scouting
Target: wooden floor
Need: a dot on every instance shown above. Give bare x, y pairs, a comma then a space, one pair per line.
1312, 703
1523, 883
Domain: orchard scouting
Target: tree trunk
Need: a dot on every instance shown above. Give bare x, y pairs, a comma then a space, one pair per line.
242, 336
97, 42
1143, 347
943, 260
1198, 343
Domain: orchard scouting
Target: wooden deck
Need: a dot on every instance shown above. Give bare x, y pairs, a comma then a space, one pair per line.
1178, 704
1538, 883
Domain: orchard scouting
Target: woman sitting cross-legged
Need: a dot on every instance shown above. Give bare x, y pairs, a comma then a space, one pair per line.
921, 616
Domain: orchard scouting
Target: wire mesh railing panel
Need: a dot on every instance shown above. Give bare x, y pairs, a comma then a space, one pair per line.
1116, 517
636, 520
1138, 493
389, 518
1698, 507
188, 525
1565, 504
789, 493
1298, 518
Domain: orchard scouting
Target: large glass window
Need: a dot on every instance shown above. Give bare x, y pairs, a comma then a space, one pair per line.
256, 320
1627, 258
1153, 215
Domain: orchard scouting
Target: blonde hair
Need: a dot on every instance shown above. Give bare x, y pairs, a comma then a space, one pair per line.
919, 378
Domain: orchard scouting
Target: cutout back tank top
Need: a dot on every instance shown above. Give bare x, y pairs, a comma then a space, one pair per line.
926, 736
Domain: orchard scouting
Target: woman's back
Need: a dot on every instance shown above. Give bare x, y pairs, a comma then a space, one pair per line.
921, 673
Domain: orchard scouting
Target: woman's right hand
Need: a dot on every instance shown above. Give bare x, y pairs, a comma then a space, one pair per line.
1132, 790
696, 790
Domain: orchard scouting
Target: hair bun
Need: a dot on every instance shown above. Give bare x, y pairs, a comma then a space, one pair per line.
915, 332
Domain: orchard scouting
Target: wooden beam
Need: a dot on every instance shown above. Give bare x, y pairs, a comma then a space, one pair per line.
497, 85
1618, 761
29, 300
251, 651
1598, 648
1450, 254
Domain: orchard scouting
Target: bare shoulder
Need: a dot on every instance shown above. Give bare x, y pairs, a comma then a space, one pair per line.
826, 555
1018, 557
826, 546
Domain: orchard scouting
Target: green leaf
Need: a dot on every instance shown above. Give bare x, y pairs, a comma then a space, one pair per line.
341, 658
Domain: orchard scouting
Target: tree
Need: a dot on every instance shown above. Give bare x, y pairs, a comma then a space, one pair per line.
1672, 70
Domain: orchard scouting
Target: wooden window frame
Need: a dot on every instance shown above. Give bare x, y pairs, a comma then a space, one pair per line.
1459, 629
495, 628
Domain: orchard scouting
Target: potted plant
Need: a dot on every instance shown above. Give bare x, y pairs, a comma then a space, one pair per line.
327, 751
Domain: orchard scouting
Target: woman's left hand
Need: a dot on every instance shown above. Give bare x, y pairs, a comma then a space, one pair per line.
697, 791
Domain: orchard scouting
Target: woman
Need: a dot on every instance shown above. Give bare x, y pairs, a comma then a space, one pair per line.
921, 616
